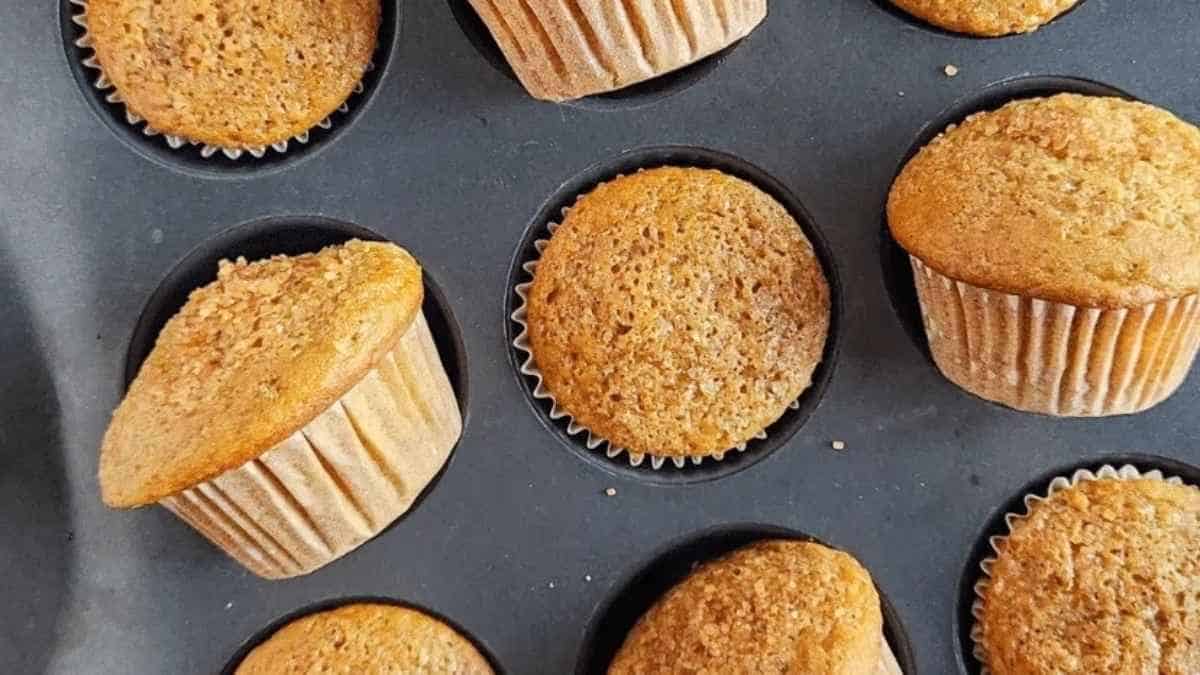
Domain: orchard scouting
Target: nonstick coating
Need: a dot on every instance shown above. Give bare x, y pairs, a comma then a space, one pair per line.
517, 543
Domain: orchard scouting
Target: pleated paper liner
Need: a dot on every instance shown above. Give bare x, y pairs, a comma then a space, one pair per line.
1030, 502
1054, 358
102, 84
636, 593
562, 52
343, 477
593, 442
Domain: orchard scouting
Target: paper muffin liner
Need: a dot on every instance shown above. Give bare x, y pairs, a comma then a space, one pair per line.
1058, 484
593, 442
343, 477
566, 50
103, 84
1054, 358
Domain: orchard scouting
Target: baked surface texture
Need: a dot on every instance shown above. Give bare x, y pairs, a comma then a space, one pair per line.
1086, 201
567, 50
367, 639
986, 18
678, 312
1103, 577
234, 73
252, 358
771, 607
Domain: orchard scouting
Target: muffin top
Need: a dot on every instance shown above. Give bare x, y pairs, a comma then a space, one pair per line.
771, 607
250, 359
1103, 577
365, 638
678, 312
233, 73
1083, 200
987, 18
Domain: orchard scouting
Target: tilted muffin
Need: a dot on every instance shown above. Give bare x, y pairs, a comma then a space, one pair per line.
233, 73
677, 312
987, 18
771, 607
1055, 244
366, 639
291, 410
563, 51
1101, 577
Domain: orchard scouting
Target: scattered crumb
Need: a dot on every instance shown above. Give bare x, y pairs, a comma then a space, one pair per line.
611, 492
551, 584
900, 94
839, 445
156, 236
587, 577
951, 70
228, 606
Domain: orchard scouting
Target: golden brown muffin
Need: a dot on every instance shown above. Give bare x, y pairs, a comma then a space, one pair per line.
771, 607
1103, 577
233, 73
678, 312
988, 18
366, 639
567, 50
1056, 248
291, 410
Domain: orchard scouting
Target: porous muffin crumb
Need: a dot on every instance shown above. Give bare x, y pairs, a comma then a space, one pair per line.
366, 638
771, 607
678, 312
250, 359
1102, 577
233, 73
988, 18
1083, 200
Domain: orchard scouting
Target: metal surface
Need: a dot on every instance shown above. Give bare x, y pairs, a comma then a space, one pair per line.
517, 542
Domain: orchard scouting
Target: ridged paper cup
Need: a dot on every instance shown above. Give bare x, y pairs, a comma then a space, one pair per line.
1106, 472
529, 367
343, 477
1054, 358
103, 84
567, 50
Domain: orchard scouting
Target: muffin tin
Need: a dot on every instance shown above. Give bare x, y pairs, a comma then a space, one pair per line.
518, 543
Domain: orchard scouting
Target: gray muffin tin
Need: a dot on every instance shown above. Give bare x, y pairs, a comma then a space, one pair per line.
517, 542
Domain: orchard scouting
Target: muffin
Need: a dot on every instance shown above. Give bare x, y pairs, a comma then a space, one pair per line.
771, 607
366, 638
291, 410
986, 18
234, 74
562, 51
1055, 244
1100, 577
677, 312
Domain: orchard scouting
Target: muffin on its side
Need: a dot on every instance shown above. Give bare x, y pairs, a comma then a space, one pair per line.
1055, 245
291, 410
986, 18
677, 312
236, 74
562, 51
1101, 577
775, 606
366, 638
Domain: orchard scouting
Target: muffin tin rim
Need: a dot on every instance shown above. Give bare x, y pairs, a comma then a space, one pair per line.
181, 160
264, 633
654, 156
894, 629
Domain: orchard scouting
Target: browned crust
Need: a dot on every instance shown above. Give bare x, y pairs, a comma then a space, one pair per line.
252, 358
1103, 577
678, 312
771, 607
366, 638
234, 73
567, 49
986, 18
1086, 201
